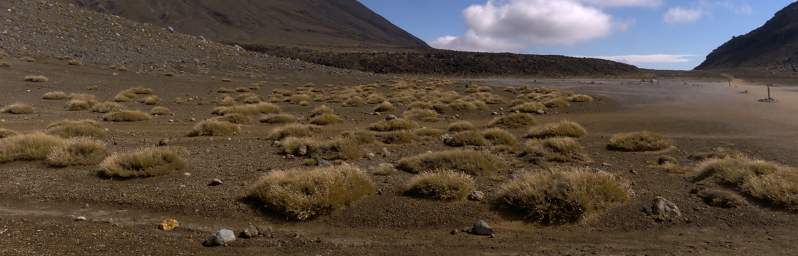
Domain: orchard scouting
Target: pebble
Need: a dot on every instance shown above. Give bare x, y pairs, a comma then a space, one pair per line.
163, 142
220, 238
216, 182
80, 218
476, 196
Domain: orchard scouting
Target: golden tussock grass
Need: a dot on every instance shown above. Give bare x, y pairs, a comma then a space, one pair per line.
773, 184
147, 162
429, 132
214, 127
18, 109
385, 106
393, 125
36, 79
160, 111
466, 138
461, 126
530, 107
103, 107
77, 152
278, 119
559, 149
305, 194
127, 116
562, 128
513, 121
5, 133
80, 128
466, 161
150, 100
639, 142
292, 130
77, 105
55, 95
249, 109
235, 118
422, 115
563, 195
498, 136
557, 103
321, 110
580, 98
27, 147
397, 137
443, 185
326, 119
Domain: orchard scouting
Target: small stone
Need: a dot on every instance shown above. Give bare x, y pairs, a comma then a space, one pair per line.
250, 232
606, 164
221, 237
371, 156
390, 117
323, 163
541, 112
216, 182
664, 210
386, 152
168, 224
187, 174
454, 231
163, 142
482, 228
476, 196
80, 218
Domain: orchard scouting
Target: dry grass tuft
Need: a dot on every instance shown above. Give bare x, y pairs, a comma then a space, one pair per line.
639, 142
160, 111
385, 106
27, 147
560, 149
305, 194
429, 132
440, 185
77, 105
36, 79
557, 103
106, 107
18, 109
498, 136
513, 121
422, 115
326, 119
292, 130
71, 129
127, 116
235, 118
397, 137
466, 161
213, 127
249, 109
5, 133
321, 110
580, 98
530, 107
393, 125
563, 195
143, 163
562, 128
770, 183
461, 126
466, 138
278, 119
55, 95
76, 152
150, 100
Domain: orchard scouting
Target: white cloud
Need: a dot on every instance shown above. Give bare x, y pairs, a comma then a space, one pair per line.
648, 59
513, 25
681, 15
624, 3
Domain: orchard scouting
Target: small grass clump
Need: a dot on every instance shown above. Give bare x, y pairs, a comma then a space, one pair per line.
557, 103
429, 132
80, 128
393, 125
127, 116
466, 161
562, 128
249, 109
147, 162
106, 107
18, 109
499, 136
235, 118
440, 185
770, 183
5, 133
326, 119
396, 137
77, 152
466, 138
278, 119
291, 130
563, 195
530, 107
55, 95
77, 105
150, 100
422, 115
513, 121
321, 110
160, 111
579, 98
461, 126
27, 147
214, 127
561, 149
36, 79
639, 142
385, 106
305, 194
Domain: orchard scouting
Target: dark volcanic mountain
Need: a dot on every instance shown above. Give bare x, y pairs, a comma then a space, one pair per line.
773, 46
309, 23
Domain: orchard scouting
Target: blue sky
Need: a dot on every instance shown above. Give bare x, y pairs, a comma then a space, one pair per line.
662, 34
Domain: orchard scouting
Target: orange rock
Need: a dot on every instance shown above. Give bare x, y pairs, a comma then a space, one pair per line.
168, 224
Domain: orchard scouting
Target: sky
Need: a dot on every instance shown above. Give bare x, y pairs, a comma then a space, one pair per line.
659, 34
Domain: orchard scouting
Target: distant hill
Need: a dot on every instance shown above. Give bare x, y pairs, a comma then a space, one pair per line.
772, 47
309, 23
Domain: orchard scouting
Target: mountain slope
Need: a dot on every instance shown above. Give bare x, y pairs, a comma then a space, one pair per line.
309, 23
774, 46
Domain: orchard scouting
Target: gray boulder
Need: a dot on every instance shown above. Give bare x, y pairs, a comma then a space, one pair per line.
220, 238
482, 228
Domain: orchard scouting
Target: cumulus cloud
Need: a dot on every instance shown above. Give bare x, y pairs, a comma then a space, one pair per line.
648, 59
512, 25
681, 15
623, 3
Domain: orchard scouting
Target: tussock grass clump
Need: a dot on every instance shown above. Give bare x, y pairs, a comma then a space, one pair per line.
440, 185
639, 142
326, 119
106, 107
235, 118
27, 147
321, 110
55, 95
563, 195
513, 121
5, 133
562, 128
278, 119
160, 111
127, 116
292, 130
429, 132
147, 162
579, 98
498, 136
150, 100
36, 79
466, 138
214, 127
560, 149
305, 194
558, 102
530, 107
80, 128
77, 152
397, 137
393, 125
77, 105
768, 182
249, 109
466, 161
18, 109
385, 106
422, 115
343, 147
461, 126
355, 101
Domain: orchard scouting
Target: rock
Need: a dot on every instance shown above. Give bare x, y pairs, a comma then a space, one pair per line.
80, 218
168, 224
303, 150
216, 182
371, 156
221, 237
323, 163
541, 112
476, 196
663, 160
163, 142
171, 29
390, 117
481, 228
250, 232
386, 152
665, 211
